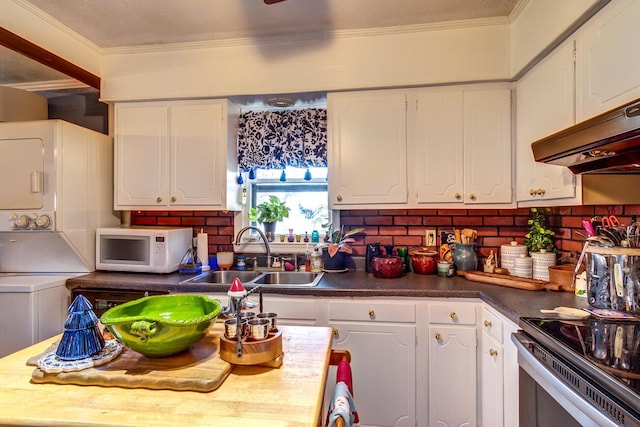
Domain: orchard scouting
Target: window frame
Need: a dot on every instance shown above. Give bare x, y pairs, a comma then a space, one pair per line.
241, 219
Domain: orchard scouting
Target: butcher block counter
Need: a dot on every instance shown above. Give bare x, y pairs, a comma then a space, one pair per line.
290, 395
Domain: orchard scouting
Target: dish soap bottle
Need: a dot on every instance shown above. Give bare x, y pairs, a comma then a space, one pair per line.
316, 261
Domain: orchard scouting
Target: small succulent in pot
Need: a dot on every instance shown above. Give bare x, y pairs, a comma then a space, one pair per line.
339, 241
540, 237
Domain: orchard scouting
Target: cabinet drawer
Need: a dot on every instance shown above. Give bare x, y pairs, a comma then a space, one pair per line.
454, 313
491, 324
375, 311
299, 309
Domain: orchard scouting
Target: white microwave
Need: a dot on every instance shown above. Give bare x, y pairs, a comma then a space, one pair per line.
142, 249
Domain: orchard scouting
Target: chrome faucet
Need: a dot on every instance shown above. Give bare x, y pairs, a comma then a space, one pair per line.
267, 249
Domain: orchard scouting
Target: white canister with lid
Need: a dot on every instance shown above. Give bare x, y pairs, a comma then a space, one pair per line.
541, 262
508, 254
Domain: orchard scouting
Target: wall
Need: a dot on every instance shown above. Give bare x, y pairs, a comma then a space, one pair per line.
402, 227
337, 61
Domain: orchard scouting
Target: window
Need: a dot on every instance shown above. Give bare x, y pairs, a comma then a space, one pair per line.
307, 199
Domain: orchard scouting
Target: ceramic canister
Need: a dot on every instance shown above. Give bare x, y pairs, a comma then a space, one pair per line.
523, 267
508, 254
541, 263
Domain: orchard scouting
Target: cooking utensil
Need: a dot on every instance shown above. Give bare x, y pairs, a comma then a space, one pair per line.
611, 221
567, 312
588, 226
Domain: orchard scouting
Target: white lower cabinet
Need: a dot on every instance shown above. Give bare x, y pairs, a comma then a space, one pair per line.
416, 362
499, 371
452, 363
381, 337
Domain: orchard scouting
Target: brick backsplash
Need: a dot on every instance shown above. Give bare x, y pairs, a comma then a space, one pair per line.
406, 227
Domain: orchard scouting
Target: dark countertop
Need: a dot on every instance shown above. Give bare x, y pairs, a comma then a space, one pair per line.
513, 303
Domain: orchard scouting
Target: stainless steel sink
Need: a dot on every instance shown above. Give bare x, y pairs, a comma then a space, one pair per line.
224, 276
266, 278
289, 278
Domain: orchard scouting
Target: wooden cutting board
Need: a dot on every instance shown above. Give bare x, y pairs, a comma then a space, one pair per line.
509, 281
199, 368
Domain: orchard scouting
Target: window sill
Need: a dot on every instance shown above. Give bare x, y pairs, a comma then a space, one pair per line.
276, 247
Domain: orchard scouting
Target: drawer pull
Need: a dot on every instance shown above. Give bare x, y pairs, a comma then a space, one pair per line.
174, 198
487, 323
372, 313
453, 315
457, 196
437, 336
158, 199
493, 352
472, 197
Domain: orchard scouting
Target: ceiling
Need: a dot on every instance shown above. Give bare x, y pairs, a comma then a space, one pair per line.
127, 24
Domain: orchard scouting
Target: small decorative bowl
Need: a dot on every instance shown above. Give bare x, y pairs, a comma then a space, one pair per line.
162, 325
387, 267
424, 262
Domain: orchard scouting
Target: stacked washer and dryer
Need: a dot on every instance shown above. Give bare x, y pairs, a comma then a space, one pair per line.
56, 189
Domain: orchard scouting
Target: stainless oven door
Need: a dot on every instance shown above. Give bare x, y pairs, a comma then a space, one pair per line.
548, 395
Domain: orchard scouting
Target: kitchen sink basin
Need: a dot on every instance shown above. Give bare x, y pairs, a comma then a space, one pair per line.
224, 276
289, 278
266, 278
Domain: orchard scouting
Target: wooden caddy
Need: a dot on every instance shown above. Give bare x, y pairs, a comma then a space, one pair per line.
266, 352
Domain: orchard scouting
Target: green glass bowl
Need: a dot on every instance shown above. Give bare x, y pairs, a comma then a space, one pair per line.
162, 325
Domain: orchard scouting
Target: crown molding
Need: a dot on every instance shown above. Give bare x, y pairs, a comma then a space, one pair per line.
293, 38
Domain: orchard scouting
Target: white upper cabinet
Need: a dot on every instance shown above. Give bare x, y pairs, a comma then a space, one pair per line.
367, 148
175, 155
487, 146
545, 104
460, 145
608, 59
436, 151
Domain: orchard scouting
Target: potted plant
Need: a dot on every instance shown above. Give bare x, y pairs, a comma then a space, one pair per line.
339, 245
268, 213
540, 237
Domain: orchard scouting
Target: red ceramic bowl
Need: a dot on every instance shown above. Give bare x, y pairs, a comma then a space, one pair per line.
387, 267
424, 262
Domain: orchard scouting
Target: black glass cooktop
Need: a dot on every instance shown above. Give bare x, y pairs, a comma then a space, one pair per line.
611, 346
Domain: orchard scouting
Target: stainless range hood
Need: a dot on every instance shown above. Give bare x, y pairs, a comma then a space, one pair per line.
605, 144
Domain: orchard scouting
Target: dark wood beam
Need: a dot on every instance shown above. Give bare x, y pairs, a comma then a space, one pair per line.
43, 56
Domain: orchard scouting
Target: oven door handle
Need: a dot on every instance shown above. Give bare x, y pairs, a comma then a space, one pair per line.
569, 399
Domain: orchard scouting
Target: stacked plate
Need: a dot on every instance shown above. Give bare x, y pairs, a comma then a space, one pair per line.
508, 254
523, 267
541, 263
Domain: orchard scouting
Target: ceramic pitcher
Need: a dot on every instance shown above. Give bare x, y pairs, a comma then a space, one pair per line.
464, 257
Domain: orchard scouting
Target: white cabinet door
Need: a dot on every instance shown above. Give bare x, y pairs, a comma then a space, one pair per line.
141, 155
492, 392
487, 146
460, 145
174, 155
435, 150
452, 375
197, 150
367, 148
383, 366
545, 104
499, 371
608, 59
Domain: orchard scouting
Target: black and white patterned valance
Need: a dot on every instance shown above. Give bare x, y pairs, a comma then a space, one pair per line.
276, 139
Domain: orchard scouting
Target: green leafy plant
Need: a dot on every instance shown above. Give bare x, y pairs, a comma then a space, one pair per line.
540, 237
272, 210
339, 241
